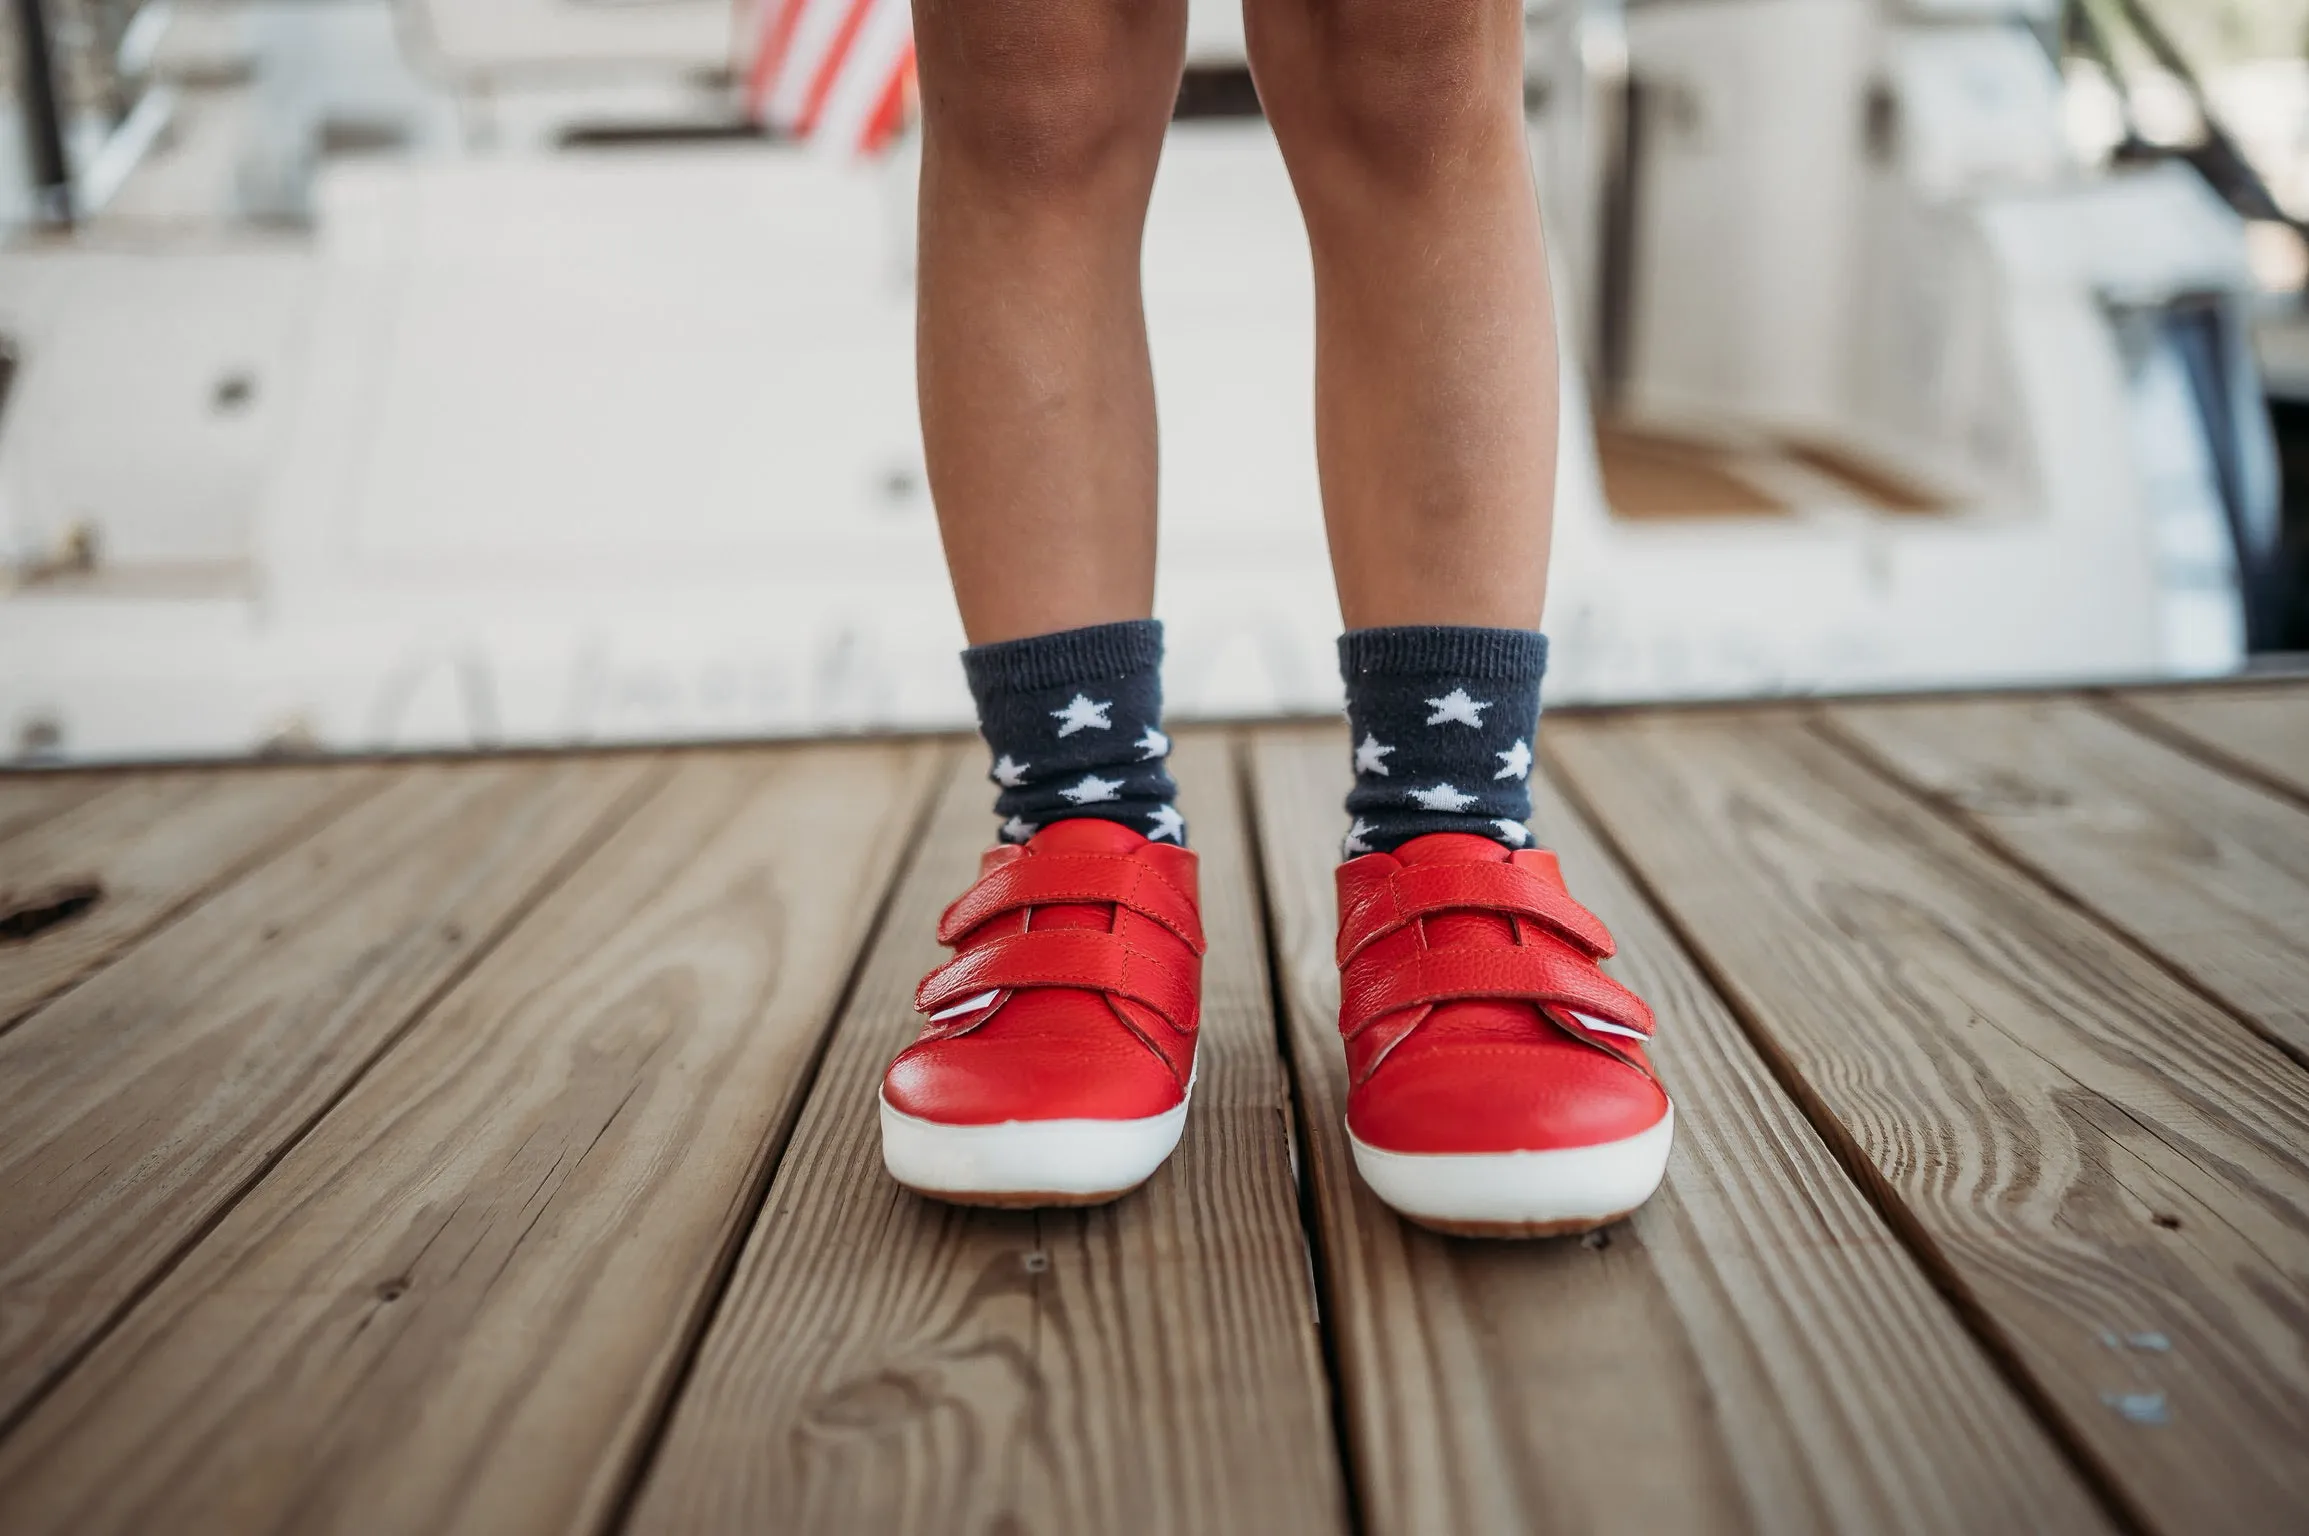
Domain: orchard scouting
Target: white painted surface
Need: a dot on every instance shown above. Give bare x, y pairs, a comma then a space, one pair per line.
620, 445
1749, 190
481, 37
124, 414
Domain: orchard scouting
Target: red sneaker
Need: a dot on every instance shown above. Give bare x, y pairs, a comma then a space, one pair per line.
1059, 1051
1498, 1083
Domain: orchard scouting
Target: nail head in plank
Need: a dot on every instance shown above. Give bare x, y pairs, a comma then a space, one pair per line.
1782, 1362
138, 1105
2090, 1152
882, 1362
2208, 871
457, 1303
137, 851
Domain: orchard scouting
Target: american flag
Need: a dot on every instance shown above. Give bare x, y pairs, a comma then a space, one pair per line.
839, 73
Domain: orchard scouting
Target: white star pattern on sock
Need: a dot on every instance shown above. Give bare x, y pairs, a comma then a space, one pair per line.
1367, 755
1092, 789
1168, 823
1518, 760
1456, 705
1513, 832
1017, 831
1152, 744
1354, 843
1443, 798
1009, 774
1081, 714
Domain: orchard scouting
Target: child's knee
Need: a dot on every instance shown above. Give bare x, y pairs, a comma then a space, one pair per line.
1050, 96
1390, 84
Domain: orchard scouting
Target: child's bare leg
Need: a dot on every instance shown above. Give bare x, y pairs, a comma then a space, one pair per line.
1059, 1044
1493, 1110
1402, 123
1043, 120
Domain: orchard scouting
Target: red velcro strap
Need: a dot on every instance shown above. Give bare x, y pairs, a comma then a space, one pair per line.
1044, 879
1506, 889
1062, 957
1529, 973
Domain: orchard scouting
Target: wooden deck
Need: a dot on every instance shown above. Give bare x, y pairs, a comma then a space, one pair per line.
489, 1146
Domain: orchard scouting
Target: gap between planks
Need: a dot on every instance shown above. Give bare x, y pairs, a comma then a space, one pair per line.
2203, 872
450, 1305
1649, 1241
1478, 1378
2103, 1166
147, 847
2254, 731
140, 1107
650, 1440
1244, 745
30, 798
885, 1362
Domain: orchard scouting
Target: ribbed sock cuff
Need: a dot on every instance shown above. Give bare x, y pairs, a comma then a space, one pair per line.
1457, 650
1082, 655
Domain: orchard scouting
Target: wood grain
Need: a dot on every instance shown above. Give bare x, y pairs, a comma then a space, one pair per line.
29, 798
1782, 1362
456, 1305
2110, 1171
2206, 870
884, 1363
2263, 730
146, 844
137, 1106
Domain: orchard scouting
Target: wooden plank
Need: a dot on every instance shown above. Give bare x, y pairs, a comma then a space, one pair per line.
136, 1107
1781, 1362
29, 798
457, 1304
2109, 1170
136, 852
884, 1363
2206, 870
2264, 730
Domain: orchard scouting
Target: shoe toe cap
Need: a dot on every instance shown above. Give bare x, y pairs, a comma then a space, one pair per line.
1502, 1097
1034, 1061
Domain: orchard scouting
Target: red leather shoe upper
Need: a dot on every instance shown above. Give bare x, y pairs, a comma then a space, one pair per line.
1475, 1015
1075, 988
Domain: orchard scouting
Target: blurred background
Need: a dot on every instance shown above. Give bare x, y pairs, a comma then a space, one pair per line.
383, 374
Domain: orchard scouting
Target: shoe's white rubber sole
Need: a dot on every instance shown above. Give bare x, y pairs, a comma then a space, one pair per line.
1520, 1194
1024, 1163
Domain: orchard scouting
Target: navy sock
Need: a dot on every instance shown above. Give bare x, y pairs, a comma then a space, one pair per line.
1442, 717
1074, 721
